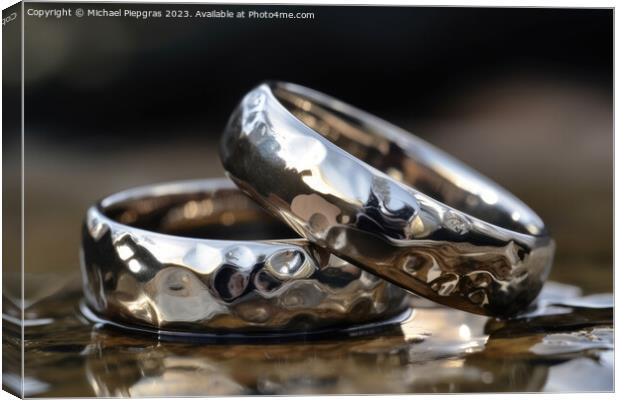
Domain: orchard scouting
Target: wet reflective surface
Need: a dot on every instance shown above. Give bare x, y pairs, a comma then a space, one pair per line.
565, 343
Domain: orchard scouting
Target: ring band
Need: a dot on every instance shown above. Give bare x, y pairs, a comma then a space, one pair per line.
146, 261
385, 200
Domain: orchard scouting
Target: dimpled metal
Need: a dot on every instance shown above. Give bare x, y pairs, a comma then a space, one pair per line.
386, 200
147, 278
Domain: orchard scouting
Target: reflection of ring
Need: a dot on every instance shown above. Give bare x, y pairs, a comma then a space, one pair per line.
329, 366
453, 236
145, 261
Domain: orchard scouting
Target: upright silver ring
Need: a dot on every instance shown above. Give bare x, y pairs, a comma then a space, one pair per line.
385, 200
146, 261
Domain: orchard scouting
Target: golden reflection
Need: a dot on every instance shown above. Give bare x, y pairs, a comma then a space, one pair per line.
190, 210
128, 217
227, 218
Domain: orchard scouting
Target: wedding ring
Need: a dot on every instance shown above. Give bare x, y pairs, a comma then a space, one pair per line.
385, 200
178, 256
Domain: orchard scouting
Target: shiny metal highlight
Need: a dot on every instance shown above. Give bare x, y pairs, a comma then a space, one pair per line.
386, 200
147, 261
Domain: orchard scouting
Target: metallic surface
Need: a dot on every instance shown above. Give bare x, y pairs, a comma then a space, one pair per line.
146, 262
386, 201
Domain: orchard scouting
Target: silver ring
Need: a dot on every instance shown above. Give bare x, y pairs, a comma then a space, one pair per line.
385, 200
146, 261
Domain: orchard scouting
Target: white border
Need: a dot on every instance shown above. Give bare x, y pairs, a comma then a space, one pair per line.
497, 3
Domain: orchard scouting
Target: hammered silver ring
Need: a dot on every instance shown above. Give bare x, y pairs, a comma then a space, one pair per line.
171, 257
386, 201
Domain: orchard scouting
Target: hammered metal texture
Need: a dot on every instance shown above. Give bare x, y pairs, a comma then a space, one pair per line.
137, 276
386, 200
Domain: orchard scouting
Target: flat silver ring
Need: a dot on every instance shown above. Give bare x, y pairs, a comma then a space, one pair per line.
148, 259
386, 200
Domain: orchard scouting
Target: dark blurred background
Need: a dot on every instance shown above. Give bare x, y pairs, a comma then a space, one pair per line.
523, 95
